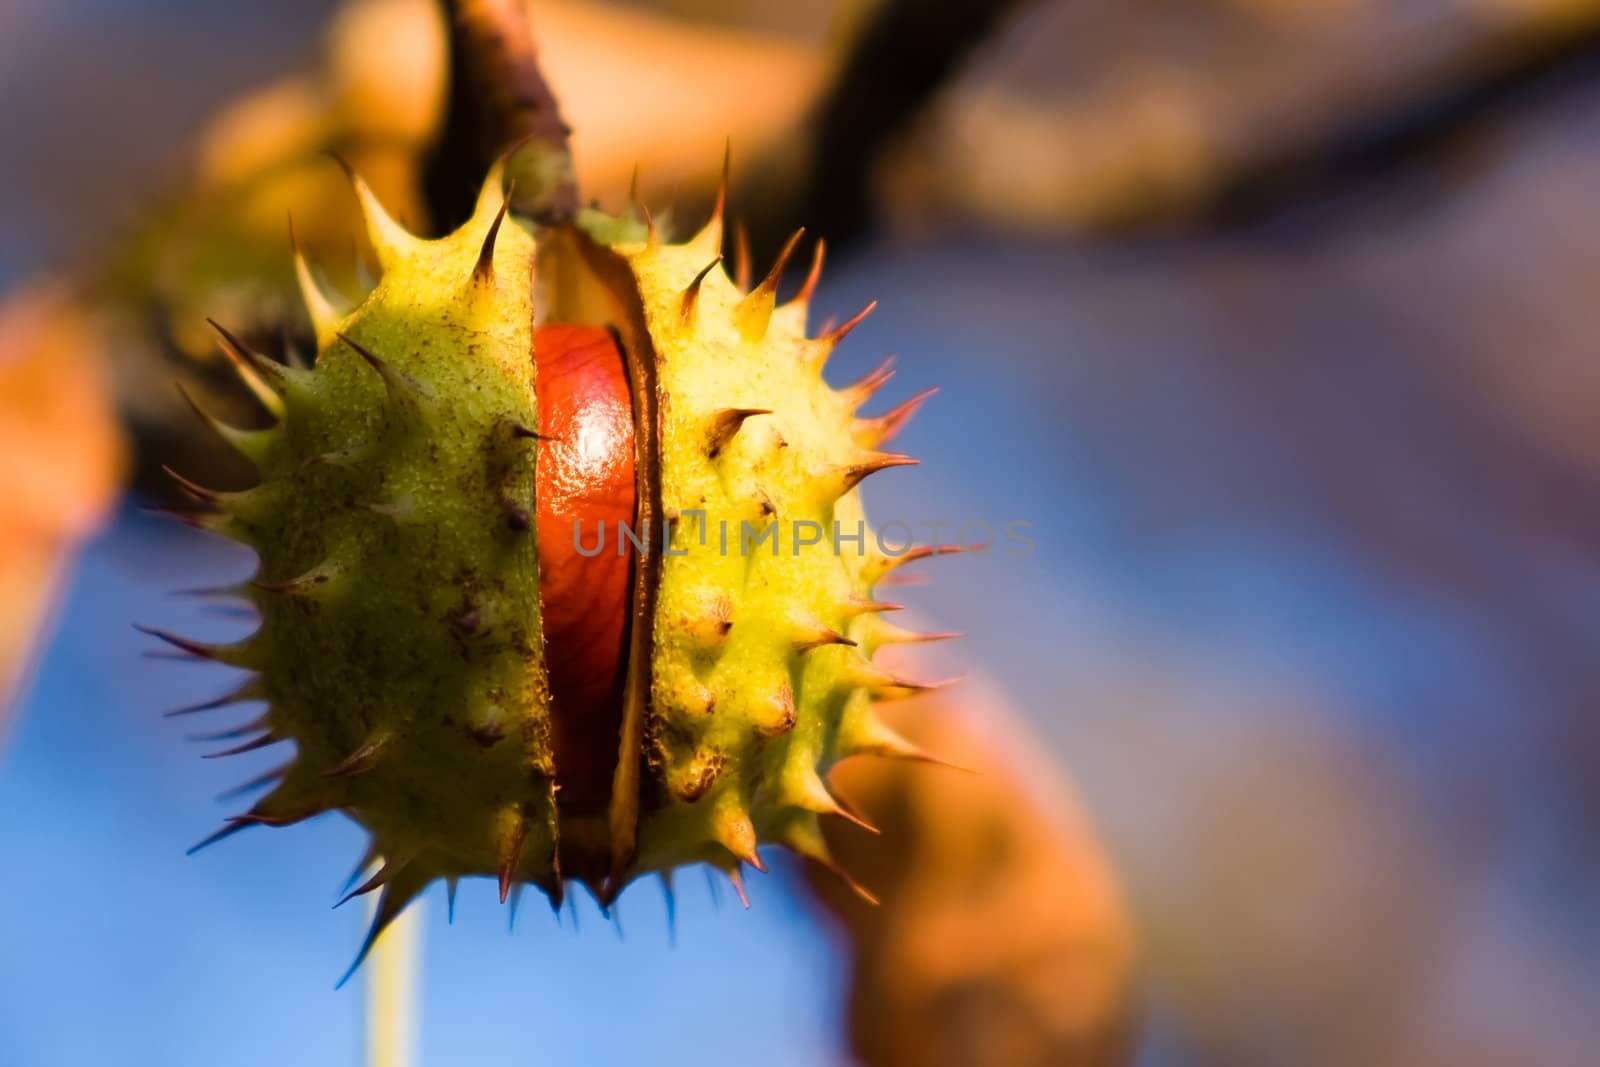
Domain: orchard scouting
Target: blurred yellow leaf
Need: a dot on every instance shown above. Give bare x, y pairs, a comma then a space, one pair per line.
61, 457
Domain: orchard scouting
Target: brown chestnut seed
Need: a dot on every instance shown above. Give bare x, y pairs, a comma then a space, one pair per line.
584, 484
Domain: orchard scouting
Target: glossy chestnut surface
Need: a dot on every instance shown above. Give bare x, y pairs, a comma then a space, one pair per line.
584, 488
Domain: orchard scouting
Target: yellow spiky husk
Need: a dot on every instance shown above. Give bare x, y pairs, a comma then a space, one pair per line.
400, 645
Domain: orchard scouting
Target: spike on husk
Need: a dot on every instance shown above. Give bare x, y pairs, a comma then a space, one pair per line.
325, 314
391, 242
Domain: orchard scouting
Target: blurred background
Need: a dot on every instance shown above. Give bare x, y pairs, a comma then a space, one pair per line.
1273, 317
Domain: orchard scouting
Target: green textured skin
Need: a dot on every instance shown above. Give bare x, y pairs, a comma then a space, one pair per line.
747, 704
400, 646
399, 602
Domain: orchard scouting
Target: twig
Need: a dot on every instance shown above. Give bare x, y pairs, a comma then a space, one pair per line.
498, 98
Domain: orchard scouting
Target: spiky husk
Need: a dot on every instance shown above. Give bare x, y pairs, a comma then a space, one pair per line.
762, 674
400, 645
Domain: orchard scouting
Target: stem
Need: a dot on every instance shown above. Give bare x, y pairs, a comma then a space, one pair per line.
498, 98
392, 1008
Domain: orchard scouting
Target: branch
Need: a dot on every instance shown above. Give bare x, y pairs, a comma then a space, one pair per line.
905, 54
1493, 76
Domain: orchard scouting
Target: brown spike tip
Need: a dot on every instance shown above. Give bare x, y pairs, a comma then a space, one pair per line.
856, 473
725, 424
396, 895
736, 879
249, 746
691, 295
859, 392
741, 256
720, 206
400, 386
523, 433
199, 492
197, 649
814, 275
275, 373
483, 270
511, 854
821, 637
839, 333
386, 874
363, 759
880, 429
769, 284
